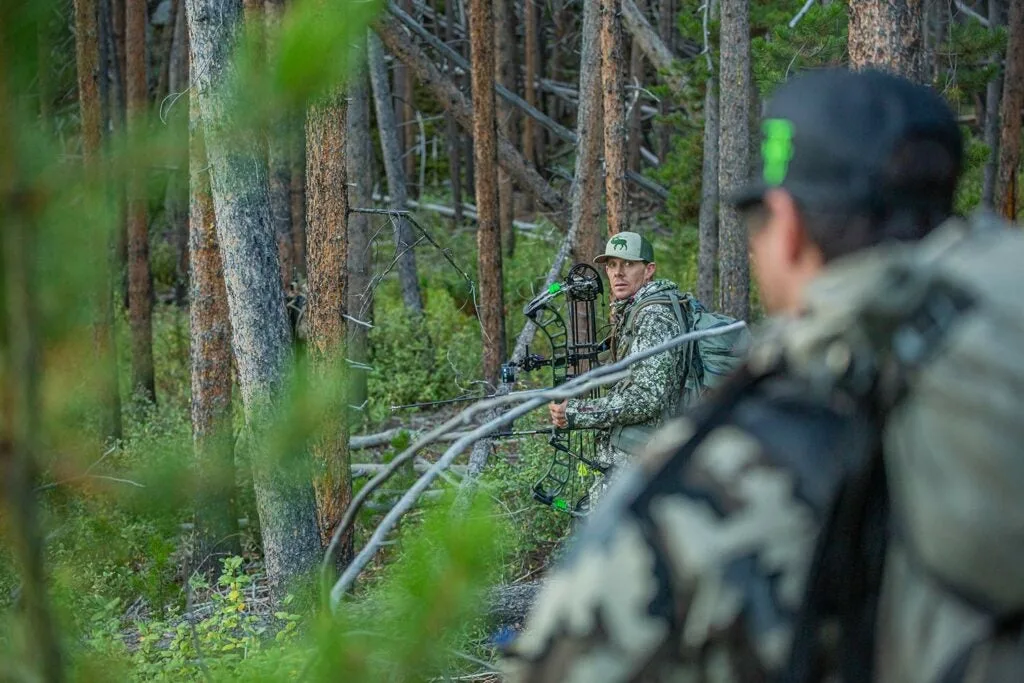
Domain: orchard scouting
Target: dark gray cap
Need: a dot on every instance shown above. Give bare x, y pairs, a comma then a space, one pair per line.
830, 137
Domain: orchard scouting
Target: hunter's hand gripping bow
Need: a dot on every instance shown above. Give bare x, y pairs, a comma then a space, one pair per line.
574, 350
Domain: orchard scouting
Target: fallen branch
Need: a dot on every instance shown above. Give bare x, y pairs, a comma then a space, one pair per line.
510, 604
532, 399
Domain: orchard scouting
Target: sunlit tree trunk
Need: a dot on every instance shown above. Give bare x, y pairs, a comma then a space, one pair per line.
140, 285
491, 310
585, 192
612, 65
887, 34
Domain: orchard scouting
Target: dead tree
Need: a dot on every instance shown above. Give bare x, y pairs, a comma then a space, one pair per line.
485, 134
505, 74
1006, 191
585, 192
327, 221
533, 135
140, 285
452, 134
259, 324
216, 521
87, 50
734, 155
360, 191
387, 128
886, 34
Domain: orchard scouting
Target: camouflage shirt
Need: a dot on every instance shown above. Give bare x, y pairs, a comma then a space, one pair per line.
694, 566
653, 387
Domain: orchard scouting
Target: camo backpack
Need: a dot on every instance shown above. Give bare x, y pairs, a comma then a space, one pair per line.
921, 562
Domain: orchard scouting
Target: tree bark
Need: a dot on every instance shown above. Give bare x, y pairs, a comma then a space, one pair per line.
533, 135
216, 523
734, 154
505, 74
636, 77
327, 226
118, 34
451, 99
140, 285
612, 61
360, 191
297, 159
177, 201
658, 57
452, 134
391, 151
259, 323
887, 34
993, 91
1006, 190
481, 35
707, 256
405, 91
279, 165
87, 49
585, 191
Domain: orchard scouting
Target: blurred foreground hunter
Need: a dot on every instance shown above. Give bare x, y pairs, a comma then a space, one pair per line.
847, 507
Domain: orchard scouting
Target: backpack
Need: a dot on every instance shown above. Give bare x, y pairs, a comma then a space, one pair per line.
921, 561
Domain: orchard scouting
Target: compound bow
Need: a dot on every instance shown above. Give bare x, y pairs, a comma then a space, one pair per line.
574, 350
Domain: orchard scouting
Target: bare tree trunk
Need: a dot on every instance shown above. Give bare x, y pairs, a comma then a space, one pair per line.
167, 37
886, 34
297, 158
389, 137
279, 166
118, 18
734, 154
452, 135
87, 48
327, 217
177, 201
533, 135
505, 74
481, 32
451, 99
360, 191
707, 257
216, 523
636, 78
405, 91
612, 61
140, 284
259, 323
585, 192
20, 403
666, 29
1006, 190
992, 95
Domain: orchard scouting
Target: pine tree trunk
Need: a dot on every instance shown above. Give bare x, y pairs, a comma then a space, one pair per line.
216, 524
452, 135
1006, 192
327, 219
297, 159
636, 77
666, 29
887, 34
505, 74
118, 17
259, 323
707, 256
481, 35
734, 154
140, 285
405, 89
279, 167
391, 150
993, 91
612, 61
178, 193
585, 192
87, 49
360, 174
533, 135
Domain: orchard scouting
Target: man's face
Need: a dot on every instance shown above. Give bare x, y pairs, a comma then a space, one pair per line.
626, 277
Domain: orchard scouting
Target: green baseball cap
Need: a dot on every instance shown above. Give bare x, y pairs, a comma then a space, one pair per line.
629, 246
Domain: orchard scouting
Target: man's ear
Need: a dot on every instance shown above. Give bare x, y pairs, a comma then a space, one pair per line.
649, 270
786, 221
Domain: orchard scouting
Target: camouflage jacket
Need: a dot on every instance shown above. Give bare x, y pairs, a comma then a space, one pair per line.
652, 389
693, 567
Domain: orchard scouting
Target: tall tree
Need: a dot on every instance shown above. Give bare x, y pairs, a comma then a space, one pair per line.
666, 29
387, 129
216, 524
734, 154
533, 135
259, 323
1006, 192
327, 220
993, 92
485, 152
452, 134
140, 285
613, 59
707, 257
176, 200
87, 51
360, 192
279, 164
585, 192
887, 34
406, 115
297, 158
505, 74
635, 122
